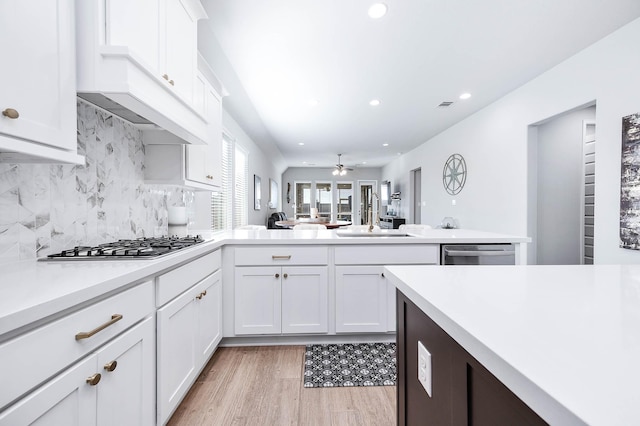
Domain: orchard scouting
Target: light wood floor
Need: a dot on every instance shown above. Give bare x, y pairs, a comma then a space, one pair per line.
263, 386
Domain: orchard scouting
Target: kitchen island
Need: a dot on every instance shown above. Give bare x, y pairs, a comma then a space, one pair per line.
564, 340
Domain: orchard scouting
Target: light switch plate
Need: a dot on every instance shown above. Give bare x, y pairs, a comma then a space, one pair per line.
424, 368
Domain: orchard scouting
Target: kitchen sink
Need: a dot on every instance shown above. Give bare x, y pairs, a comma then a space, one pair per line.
378, 234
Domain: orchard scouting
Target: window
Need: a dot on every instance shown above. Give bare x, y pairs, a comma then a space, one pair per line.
241, 187
303, 199
221, 202
344, 206
229, 207
324, 198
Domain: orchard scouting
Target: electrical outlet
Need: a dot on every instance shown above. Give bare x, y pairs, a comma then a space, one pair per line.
424, 368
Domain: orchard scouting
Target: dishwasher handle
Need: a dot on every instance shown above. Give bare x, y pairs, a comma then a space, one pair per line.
476, 253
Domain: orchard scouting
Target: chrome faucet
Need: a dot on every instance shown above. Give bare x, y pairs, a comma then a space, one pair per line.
377, 221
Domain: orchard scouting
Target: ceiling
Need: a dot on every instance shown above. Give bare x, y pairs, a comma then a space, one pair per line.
421, 53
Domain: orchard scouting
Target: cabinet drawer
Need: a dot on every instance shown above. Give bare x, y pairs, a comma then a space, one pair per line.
388, 255
173, 283
33, 357
284, 255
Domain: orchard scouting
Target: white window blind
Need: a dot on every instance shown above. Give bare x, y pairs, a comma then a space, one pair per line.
241, 187
221, 202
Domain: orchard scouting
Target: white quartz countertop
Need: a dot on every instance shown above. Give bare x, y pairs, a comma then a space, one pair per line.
31, 290
565, 339
341, 236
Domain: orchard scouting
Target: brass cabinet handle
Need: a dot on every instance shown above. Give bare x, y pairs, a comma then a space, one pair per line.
201, 295
110, 366
171, 82
94, 380
165, 76
86, 334
11, 113
285, 275
275, 257
209, 177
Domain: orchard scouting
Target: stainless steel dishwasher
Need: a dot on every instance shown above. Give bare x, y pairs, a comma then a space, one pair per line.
477, 254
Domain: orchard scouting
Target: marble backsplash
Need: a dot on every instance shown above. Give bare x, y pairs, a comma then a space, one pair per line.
46, 208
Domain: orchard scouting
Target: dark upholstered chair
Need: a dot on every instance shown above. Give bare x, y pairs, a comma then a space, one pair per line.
276, 217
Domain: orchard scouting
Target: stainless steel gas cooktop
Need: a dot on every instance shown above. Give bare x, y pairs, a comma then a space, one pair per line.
141, 248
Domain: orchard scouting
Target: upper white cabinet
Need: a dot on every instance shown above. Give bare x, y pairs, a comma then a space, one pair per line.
138, 60
195, 166
37, 96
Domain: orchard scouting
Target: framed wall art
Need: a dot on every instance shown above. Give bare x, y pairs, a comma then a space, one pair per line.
257, 198
630, 183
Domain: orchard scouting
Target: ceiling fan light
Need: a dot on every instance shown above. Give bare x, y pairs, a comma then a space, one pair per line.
335, 172
343, 172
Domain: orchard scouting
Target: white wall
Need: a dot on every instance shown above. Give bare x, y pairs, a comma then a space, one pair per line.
261, 163
560, 172
494, 144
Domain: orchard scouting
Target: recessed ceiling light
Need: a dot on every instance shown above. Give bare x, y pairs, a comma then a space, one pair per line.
374, 102
304, 162
377, 10
313, 102
301, 143
364, 162
385, 144
465, 96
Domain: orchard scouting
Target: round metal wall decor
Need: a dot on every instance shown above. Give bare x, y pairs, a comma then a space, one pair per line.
454, 174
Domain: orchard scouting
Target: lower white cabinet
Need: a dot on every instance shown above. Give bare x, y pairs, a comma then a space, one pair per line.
275, 300
113, 385
361, 299
189, 329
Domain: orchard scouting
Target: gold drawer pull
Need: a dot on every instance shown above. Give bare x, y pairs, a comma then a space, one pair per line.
94, 380
171, 82
165, 76
11, 113
276, 257
209, 177
86, 334
110, 366
201, 295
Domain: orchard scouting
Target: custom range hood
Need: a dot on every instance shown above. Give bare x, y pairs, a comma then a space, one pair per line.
141, 65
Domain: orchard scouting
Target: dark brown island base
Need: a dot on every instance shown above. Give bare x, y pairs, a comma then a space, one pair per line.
463, 391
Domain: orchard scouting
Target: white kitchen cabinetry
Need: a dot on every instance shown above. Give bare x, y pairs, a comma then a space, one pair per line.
113, 381
361, 299
138, 60
365, 300
274, 300
189, 328
286, 294
37, 102
194, 166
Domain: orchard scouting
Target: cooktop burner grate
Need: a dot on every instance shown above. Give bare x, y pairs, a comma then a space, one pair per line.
141, 248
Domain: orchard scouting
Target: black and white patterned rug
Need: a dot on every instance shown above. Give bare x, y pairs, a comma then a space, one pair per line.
350, 364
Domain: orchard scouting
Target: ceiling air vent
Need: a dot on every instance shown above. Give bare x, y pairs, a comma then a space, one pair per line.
445, 104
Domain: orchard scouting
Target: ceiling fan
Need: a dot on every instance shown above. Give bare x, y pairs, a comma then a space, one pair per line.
340, 168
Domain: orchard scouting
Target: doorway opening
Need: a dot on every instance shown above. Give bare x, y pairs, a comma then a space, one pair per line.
561, 188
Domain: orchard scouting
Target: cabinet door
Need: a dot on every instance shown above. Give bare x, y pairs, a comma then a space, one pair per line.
176, 352
134, 24
126, 393
209, 316
65, 400
38, 73
361, 299
257, 300
305, 295
180, 19
391, 306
